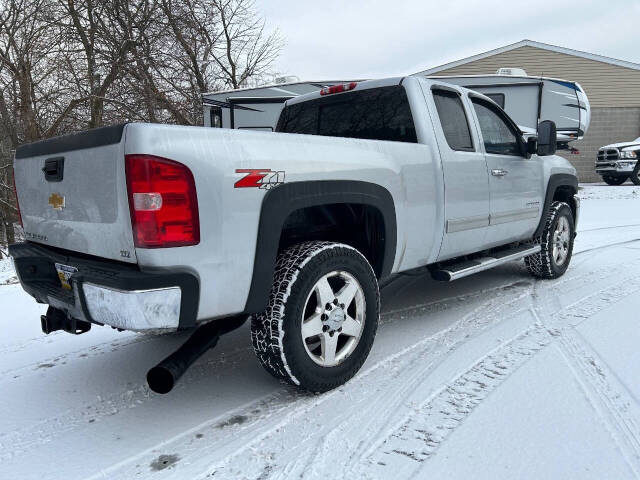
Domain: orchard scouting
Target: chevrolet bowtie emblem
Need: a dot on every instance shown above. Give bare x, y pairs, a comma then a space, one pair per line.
56, 201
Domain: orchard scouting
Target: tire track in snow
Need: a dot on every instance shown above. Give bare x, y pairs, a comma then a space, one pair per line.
616, 406
618, 409
430, 424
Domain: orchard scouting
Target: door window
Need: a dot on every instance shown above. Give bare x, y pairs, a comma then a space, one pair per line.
499, 136
453, 120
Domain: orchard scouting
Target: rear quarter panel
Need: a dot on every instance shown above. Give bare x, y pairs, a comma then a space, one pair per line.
229, 216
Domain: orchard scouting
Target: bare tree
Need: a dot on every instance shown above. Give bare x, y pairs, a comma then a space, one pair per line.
202, 45
245, 51
104, 49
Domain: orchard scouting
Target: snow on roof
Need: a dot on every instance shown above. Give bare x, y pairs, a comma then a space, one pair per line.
531, 43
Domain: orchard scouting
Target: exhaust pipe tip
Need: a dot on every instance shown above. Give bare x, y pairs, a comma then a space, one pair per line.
160, 379
164, 376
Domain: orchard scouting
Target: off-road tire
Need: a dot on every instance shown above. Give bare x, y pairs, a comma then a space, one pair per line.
609, 180
542, 264
276, 333
635, 176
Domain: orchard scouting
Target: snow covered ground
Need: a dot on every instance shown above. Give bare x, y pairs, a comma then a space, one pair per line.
494, 376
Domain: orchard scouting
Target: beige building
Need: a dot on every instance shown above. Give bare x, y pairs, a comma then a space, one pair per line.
612, 86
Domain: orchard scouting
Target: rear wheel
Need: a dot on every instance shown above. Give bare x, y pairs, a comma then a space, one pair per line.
322, 316
610, 180
556, 243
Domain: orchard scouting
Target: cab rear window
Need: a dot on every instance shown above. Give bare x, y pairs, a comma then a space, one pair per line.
372, 114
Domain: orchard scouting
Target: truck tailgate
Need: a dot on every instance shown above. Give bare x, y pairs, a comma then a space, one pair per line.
72, 193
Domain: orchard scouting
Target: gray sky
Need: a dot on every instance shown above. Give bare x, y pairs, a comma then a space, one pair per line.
366, 39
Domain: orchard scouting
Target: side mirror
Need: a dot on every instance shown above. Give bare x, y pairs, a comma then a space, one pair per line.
547, 138
531, 146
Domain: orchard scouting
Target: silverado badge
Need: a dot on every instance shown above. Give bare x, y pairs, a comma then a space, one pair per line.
56, 201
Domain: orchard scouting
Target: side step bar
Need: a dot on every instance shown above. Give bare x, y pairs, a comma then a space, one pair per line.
466, 268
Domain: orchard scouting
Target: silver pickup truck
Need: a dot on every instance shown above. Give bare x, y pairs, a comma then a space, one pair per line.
162, 228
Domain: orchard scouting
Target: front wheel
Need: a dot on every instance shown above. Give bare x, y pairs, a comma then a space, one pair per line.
609, 180
556, 243
322, 316
635, 176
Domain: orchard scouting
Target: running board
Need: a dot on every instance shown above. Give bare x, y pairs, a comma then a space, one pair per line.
466, 268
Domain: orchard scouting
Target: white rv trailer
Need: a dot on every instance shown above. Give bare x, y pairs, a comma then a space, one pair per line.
526, 99
529, 100
255, 108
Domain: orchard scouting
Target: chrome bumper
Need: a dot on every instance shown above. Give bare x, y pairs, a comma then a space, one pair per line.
107, 292
619, 166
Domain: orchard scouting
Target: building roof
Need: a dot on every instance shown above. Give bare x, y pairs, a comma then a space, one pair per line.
531, 43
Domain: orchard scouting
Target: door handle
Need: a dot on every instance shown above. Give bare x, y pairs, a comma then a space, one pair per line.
499, 172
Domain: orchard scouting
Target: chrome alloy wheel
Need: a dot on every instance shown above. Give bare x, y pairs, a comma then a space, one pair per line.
561, 240
333, 318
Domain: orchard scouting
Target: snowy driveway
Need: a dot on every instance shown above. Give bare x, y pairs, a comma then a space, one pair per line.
494, 376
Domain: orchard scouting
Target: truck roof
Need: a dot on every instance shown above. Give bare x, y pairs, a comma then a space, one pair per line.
383, 82
386, 82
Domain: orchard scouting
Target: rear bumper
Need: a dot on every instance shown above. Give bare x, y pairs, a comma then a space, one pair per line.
107, 292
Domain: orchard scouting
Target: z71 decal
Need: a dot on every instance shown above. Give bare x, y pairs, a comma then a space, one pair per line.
263, 178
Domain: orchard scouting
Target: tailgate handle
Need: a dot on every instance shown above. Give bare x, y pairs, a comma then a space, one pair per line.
53, 169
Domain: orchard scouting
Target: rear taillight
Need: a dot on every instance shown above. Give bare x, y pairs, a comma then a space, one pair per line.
343, 87
15, 192
163, 202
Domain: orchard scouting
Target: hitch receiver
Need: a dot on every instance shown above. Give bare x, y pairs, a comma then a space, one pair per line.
56, 320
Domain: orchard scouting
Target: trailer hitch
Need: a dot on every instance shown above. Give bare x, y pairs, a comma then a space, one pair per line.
163, 377
56, 319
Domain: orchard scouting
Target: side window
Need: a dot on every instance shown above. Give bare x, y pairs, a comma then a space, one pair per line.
453, 120
496, 97
499, 137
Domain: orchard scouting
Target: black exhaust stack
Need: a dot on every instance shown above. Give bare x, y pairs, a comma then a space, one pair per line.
163, 377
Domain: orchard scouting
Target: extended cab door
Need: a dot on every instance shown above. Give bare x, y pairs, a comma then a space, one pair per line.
466, 184
515, 182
